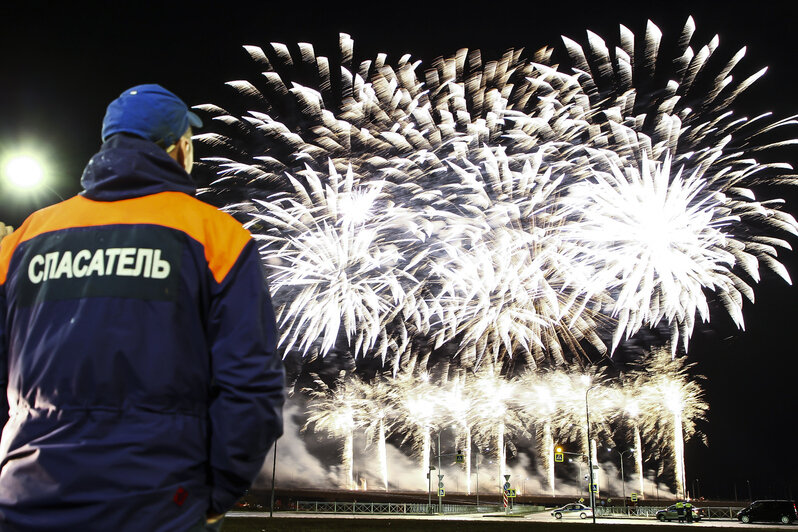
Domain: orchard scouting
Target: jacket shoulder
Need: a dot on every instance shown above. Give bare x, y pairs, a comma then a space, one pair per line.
221, 235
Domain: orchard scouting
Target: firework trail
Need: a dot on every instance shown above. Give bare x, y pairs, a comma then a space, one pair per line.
672, 405
573, 390
333, 409
416, 402
494, 420
629, 407
373, 410
537, 400
458, 403
658, 402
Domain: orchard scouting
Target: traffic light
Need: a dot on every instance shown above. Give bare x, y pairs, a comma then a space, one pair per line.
559, 456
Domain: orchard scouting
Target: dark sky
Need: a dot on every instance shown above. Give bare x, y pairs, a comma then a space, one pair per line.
61, 65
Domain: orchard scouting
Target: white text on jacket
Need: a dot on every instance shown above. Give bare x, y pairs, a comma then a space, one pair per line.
123, 262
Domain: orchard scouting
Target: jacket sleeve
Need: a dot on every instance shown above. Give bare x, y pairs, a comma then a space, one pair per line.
3, 360
247, 390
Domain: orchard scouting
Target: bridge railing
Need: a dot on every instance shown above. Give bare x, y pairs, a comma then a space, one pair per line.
392, 508
710, 512
631, 511
721, 512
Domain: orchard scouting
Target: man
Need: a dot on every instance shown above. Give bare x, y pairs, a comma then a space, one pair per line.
137, 343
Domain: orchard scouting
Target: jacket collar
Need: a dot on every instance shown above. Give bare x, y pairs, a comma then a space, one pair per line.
128, 167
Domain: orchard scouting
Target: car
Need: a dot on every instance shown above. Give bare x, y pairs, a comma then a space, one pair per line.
670, 513
769, 510
573, 509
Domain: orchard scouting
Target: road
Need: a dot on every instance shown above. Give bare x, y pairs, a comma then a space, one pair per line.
537, 522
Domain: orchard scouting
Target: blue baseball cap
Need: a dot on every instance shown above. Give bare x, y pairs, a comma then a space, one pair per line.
151, 112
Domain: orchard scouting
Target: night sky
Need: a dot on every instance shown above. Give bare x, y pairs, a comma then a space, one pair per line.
62, 65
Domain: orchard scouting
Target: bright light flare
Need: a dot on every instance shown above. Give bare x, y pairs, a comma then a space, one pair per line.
24, 171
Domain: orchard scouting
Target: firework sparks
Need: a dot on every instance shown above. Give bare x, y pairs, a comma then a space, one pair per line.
510, 214
674, 403
333, 410
503, 205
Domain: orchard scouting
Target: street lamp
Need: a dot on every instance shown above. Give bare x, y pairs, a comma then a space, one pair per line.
23, 171
429, 488
623, 479
579, 476
274, 474
440, 476
696, 487
590, 458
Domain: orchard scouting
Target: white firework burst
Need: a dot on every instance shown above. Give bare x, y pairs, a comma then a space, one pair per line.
659, 239
669, 206
336, 254
517, 210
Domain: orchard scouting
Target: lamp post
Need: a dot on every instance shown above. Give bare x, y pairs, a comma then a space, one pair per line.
579, 475
590, 458
478, 459
440, 476
623, 479
274, 472
429, 488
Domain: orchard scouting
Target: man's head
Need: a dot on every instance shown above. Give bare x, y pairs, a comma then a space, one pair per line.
155, 114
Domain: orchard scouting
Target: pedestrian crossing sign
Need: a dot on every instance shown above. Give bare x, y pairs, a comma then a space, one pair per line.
634, 497
510, 492
558, 457
441, 492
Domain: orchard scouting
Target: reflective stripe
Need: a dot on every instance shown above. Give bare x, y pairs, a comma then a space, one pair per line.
221, 236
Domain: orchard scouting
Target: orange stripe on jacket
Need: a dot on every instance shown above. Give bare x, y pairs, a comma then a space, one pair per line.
219, 233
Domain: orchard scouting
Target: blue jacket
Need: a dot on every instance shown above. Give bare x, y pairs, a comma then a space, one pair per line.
138, 351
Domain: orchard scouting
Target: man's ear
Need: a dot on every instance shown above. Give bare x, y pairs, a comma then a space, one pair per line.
185, 155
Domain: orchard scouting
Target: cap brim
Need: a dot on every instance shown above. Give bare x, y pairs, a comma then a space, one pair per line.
194, 120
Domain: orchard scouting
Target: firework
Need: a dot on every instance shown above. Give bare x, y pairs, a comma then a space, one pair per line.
505, 206
333, 410
511, 215
672, 403
373, 409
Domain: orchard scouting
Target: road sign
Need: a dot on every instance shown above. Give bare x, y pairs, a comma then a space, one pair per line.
634, 497
441, 492
558, 457
506, 485
440, 485
594, 487
460, 459
511, 492
507, 477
